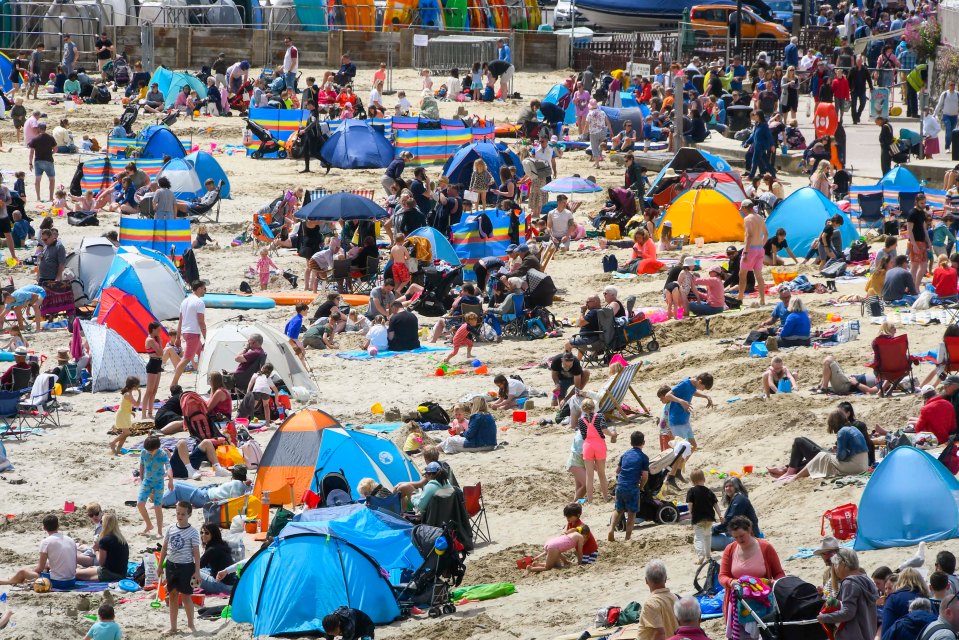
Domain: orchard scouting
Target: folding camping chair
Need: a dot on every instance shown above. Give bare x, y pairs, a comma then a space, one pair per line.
366, 281
513, 322
263, 234
600, 350
202, 213
21, 380
476, 509
610, 403
870, 210
343, 275
392, 504
42, 407
907, 200
893, 364
10, 424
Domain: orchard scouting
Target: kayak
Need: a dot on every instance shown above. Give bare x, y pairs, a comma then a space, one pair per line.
289, 298
237, 301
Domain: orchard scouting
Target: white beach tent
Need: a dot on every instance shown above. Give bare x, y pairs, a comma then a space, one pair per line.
91, 262
112, 358
227, 340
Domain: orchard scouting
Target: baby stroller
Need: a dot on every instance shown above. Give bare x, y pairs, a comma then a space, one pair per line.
333, 489
795, 605
443, 568
651, 508
241, 100
437, 297
129, 116
624, 203
121, 72
268, 144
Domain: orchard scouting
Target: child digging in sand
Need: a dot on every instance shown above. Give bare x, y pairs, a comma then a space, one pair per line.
124, 418
774, 376
153, 464
555, 548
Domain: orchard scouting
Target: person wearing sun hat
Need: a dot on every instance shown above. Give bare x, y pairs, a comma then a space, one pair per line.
19, 362
827, 549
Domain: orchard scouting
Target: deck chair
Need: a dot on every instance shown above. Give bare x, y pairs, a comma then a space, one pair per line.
601, 349
870, 210
548, 254
392, 504
10, 424
893, 364
476, 509
207, 212
41, 408
610, 403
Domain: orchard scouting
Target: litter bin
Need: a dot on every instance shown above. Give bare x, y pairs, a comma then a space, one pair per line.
737, 117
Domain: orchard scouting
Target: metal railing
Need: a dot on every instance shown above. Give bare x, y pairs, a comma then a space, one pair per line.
459, 51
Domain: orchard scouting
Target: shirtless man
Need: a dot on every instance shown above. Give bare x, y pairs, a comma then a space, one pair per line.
752, 256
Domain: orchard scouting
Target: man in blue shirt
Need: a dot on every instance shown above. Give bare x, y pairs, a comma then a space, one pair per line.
791, 53
503, 51
632, 472
739, 73
780, 311
680, 406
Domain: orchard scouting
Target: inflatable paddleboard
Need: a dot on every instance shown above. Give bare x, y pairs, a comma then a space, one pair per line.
356, 300
236, 301
289, 298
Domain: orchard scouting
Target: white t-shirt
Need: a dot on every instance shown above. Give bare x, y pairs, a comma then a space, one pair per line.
544, 155
515, 388
261, 384
375, 97
180, 543
291, 60
377, 336
190, 310
61, 553
404, 104
559, 221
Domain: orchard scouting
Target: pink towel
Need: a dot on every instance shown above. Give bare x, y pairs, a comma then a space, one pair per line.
76, 342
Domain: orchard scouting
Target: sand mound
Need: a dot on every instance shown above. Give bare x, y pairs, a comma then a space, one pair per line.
462, 625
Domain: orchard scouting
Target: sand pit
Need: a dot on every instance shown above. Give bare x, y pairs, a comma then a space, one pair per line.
525, 483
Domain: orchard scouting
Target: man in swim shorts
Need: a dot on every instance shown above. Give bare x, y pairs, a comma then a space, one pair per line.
752, 258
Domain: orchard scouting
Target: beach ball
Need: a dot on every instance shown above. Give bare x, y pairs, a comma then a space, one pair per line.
42, 585
124, 101
440, 371
476, 363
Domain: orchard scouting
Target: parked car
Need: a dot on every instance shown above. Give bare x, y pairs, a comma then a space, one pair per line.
782, 12
712, 21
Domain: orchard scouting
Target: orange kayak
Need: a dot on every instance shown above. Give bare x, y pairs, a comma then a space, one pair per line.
289, 297
356, 299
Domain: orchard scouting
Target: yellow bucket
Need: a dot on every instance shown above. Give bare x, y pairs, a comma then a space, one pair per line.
612, 232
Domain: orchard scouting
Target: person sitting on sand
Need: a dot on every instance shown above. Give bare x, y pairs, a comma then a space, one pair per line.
713, 301
773, 246
553, 556
431, 454
775, 375
768, 327
480, 434
809, 460
436, 479
937, 415
942, 357
835, 380
736, 499
797, 327
113, 552
509, 392
58, 558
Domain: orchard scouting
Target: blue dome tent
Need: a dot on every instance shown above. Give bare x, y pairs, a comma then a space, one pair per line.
184, 182
359, 454
890, 515
441, 247
330, 572
803, 215
159, 141
207, 167
459, 168
901, 178
172, 82
357, 145
559, 95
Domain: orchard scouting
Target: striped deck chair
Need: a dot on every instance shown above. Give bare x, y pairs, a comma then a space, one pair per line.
610, 403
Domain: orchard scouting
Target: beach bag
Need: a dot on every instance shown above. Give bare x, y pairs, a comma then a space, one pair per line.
610, 263
835, 268
612, 615
843, 521
629, 614
432, 412
858, 251
535, 329
252, 453
950, 456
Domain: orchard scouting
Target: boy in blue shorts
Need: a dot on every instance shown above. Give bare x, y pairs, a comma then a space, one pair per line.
680, 406
153, 464
632, 472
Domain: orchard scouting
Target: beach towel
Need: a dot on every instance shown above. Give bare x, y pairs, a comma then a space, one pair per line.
86, 586
381, 427
363, 355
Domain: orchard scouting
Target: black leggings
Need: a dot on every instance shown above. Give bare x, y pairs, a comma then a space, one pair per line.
802, 452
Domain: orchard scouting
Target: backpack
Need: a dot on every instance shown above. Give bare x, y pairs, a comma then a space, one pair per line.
710, 585
195, 417
858, 251
431, 412
834, 268
252, 453
610, 263
933, 629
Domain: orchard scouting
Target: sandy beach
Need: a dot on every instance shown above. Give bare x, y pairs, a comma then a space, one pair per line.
525, 485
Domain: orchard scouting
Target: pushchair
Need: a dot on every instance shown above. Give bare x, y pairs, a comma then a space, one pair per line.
241, 99
795, 606
437, 296
128, 117
624, 203
443, 568
651, 508
268, 144
121, 72
333, 489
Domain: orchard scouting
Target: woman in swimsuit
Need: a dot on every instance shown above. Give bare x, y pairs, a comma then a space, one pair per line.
220, 405
154, 367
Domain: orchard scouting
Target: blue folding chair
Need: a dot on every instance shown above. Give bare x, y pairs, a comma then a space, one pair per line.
10, 424
391, 504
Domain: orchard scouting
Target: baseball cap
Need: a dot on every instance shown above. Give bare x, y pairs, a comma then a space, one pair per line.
951, 380
523, 248
748, 204
433, 467
668, 223
512, 248
689, 261
927, 390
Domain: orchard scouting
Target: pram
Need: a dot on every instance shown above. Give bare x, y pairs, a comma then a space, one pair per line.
651, 508
333, 489
437, 296
121, 72
795, 606
128, 117
443, 568
625, 208
268, 144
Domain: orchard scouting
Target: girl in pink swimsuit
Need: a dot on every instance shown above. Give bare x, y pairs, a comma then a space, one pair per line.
592, 426
554, 549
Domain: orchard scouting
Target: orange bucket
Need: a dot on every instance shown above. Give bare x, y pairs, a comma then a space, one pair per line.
251, 526
519, 416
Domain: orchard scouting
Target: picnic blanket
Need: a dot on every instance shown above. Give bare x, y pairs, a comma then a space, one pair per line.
360, 354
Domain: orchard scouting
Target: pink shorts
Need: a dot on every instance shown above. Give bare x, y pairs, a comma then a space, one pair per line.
560, 543
752, 259
193, 346
594, 450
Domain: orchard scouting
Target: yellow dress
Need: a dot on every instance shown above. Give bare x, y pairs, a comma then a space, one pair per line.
124, 421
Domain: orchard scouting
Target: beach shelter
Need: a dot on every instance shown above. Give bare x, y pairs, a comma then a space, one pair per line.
6, 68
357, 145
227, 340
439, 245
112, 359
560, 96
691, 160
184, 182
890, 512
125, 314
99, 173
902, 179
307, 572
156, 141
803, 215
171, 83
459, 168
311, 443
150, 277
704, 213
634, 113
164, 237
471, 245
91, 262
281, 123
207, 167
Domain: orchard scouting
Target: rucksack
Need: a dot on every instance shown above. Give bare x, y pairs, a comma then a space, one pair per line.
610, 263
252, 453
858, 251
834, 268
431, 412
710, 585
933, 629
194, 410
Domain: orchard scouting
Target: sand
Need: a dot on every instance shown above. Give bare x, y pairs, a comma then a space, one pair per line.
525, 483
